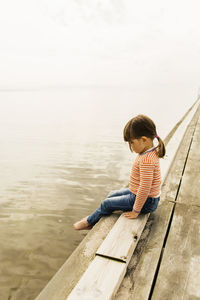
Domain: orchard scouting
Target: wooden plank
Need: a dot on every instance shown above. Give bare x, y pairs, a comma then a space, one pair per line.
123, 238
191, 177
179, 274
143, 264
175, 141
100, 281
142, 267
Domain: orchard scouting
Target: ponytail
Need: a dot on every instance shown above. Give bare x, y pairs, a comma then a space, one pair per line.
160, 148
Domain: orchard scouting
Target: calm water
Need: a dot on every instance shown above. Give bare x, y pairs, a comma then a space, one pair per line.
61, 152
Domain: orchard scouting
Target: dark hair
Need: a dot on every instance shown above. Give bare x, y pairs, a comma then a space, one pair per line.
142, 125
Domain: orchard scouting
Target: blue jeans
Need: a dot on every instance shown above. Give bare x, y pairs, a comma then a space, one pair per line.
124, 200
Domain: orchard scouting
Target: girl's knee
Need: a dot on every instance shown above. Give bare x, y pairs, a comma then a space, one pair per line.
119, 192
106, 206
112, 193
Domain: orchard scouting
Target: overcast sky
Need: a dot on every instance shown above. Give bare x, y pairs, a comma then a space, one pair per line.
100, 42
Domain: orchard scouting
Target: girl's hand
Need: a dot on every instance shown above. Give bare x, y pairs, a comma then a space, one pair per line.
131, 214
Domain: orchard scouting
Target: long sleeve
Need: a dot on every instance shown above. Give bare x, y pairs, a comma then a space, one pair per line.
146, 171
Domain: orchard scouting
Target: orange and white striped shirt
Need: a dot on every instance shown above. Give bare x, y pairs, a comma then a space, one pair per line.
145, 178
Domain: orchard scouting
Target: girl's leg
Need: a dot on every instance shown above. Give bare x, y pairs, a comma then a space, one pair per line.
102, 210
150, 205
123, 202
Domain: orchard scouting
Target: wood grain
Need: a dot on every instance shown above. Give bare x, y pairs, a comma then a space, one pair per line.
100, 281
123, 238
179, 274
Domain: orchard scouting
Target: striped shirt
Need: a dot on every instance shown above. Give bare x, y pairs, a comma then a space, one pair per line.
145, 178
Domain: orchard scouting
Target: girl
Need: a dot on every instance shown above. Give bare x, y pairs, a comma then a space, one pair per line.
143, 194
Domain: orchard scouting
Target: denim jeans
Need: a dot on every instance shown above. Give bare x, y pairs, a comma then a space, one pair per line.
122, 199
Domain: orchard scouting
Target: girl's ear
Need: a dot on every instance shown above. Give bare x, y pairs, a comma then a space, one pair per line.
144, 139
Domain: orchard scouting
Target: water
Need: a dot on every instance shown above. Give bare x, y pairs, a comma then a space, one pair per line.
61, 152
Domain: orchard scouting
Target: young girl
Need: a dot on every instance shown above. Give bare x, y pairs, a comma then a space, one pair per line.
143, 194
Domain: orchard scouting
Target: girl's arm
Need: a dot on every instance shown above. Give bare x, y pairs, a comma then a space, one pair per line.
146, 179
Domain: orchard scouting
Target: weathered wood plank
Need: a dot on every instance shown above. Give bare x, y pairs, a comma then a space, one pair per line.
179, 274
123, 238
100, 281
175, 141
142, 268
191, 178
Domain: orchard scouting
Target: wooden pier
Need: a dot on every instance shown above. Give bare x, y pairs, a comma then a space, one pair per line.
156, 256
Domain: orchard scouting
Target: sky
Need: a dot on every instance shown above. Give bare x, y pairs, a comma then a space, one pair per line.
100, 43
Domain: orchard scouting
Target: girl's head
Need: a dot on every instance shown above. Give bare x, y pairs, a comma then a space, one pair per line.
141, 131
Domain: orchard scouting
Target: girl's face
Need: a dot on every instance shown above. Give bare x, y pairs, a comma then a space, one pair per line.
136, 145
141, 145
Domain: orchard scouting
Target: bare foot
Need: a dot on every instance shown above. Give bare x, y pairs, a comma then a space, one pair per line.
82, 224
